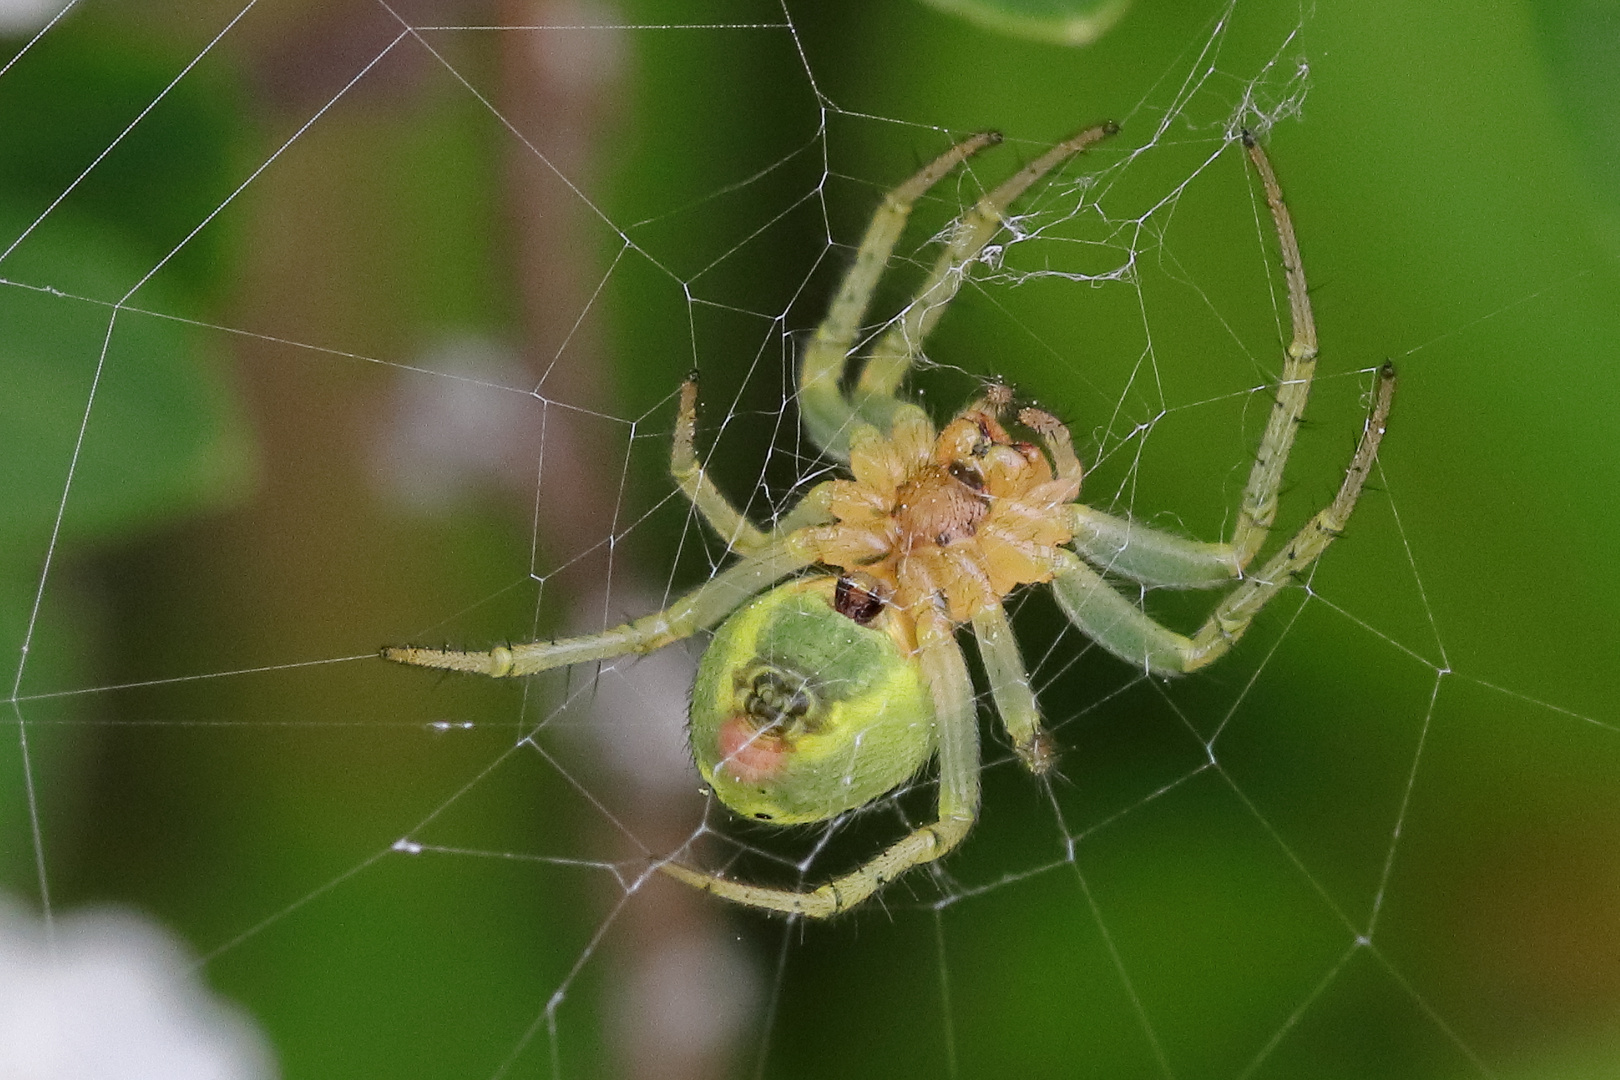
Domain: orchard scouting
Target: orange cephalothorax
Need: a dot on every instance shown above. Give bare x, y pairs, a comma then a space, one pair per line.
967, 515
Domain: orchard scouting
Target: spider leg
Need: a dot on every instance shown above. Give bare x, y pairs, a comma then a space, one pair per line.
1155, 558
1158, 559
1119, 626
699, 609
1258, 510
1055, 437
811, 509
892, 356
828, 415
1009, 687
728, 523
958, 747
1122, 546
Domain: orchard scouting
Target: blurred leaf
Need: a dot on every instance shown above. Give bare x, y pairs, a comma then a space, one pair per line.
65, 108
1580, 40
165, 436
1061, 22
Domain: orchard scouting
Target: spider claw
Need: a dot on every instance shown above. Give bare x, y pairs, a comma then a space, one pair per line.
1040, 753
997, 397
1038, 420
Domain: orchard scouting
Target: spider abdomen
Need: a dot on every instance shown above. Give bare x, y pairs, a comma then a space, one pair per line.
800, 713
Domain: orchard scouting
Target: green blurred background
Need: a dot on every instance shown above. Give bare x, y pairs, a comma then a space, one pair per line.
238, 538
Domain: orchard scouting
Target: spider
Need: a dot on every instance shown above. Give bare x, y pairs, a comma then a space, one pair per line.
819, 695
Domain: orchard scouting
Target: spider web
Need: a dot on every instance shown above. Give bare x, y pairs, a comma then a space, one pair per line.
467, 255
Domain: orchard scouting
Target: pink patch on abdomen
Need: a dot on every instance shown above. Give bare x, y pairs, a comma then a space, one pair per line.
747, 755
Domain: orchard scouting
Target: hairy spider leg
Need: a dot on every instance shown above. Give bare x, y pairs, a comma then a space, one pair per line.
826, 413
767, 557
891, 358
945, 669
829, 414
703, 607
1258, 509
1118, 625
1161, 560
730, 524
1011, 691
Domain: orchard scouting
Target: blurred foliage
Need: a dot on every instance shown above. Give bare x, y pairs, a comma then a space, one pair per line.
166, 437
1061, 22
1581, 42
66, 111
1454, 179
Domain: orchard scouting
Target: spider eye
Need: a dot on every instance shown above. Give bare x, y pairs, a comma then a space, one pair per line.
802, 711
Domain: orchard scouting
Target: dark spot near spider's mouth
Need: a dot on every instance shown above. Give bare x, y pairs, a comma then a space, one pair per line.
854, 602
967, 475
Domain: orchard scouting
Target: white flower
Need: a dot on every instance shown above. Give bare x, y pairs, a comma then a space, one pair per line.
25, 16
110, 995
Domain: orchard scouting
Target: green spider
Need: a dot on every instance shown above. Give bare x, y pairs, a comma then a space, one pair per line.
820, 695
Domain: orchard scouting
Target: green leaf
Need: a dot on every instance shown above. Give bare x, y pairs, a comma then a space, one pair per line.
163, 437
1060, 22
64, 109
